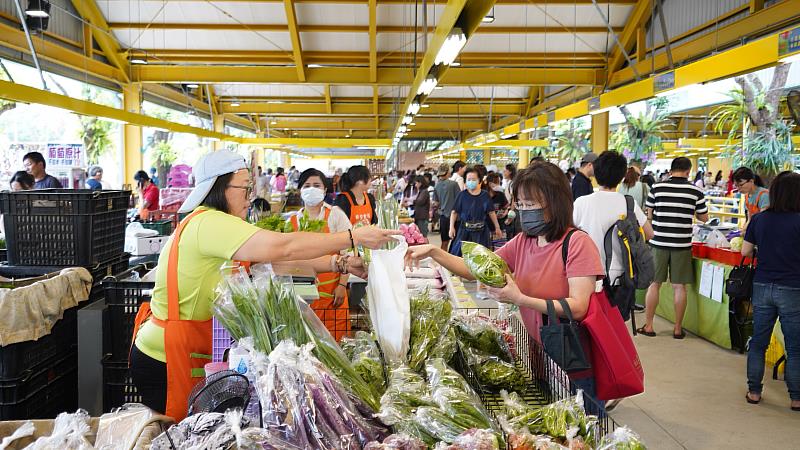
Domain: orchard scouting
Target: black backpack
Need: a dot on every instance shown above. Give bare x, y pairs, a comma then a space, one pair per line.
637, 261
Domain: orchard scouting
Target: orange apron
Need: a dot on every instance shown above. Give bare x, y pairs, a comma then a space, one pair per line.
336, 320
753, 209
359, 213
187, 343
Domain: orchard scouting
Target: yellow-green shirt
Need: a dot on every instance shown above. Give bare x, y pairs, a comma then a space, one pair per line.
208, 241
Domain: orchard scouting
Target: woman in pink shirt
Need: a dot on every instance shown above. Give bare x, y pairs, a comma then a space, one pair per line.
543, 200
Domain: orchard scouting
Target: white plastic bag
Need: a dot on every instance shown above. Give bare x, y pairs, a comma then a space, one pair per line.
717, 240
388, 296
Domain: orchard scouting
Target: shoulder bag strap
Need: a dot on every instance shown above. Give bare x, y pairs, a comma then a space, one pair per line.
552, 319
565, 246
607, 247
567, 311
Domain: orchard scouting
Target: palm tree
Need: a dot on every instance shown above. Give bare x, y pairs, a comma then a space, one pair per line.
641, 136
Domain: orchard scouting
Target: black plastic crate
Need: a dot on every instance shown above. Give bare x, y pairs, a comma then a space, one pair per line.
58, 394
122, 303
64, 227
3, 254
112, 266
16, 359
118, 387
164, 227
14, 390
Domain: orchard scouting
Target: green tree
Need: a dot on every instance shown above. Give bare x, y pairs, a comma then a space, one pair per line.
573, 140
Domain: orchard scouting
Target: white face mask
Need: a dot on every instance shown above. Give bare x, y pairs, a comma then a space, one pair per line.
312, 196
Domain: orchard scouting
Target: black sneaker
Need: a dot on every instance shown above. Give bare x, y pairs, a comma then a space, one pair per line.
638, 308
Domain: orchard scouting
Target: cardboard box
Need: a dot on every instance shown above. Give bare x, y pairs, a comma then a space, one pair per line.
141, 246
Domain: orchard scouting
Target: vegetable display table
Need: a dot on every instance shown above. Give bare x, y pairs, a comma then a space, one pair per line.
704, 317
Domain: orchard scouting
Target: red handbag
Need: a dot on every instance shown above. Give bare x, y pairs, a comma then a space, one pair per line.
618, 372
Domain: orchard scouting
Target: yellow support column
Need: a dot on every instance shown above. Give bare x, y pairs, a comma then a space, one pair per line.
523, 156
600, 132
487, 156
134, 156
218, 122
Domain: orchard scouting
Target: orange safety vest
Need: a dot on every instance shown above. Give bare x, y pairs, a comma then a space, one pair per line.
336, 320
187, 343
753, 209
359, 213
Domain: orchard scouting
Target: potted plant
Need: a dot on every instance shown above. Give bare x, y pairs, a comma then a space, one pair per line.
757, 136
640, 137
572, 140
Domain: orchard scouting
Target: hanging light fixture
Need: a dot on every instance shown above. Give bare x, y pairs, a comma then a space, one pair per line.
451, 47
489, 17
428, 85
413, 108
407, 120
39, 9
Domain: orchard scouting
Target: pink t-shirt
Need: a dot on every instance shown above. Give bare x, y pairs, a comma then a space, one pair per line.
539, 271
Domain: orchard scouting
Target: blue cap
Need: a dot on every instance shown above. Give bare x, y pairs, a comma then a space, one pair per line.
206, 172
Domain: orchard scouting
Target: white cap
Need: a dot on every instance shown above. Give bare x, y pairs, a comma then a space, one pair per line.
206, 172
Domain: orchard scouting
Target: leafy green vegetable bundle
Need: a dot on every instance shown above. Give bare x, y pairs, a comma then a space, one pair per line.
304, 223
485, 265
493, 373
430, 322
561, 420
482, 334
268, 310
621, 439
362, 351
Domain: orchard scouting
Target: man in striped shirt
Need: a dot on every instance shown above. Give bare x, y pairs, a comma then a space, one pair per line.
671, 206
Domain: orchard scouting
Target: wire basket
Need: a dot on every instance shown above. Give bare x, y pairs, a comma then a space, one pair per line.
546, 382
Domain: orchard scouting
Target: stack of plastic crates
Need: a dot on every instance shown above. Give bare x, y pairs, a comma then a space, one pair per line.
546, 382
123, 299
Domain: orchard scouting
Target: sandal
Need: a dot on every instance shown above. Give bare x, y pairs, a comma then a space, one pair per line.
750, 400
679, 336
645, 332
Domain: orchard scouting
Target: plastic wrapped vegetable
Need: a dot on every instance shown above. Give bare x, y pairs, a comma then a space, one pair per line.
366, 358
564, 420
441, 375
484, 265
473, 439
306, 405
398, 442
463, 407
513, 404
482, 334
406, 392
430, 319
621, 439
493, 373
243, 311
439, 424
448, 344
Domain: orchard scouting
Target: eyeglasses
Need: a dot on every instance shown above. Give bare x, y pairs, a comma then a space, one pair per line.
739, 184
248, 189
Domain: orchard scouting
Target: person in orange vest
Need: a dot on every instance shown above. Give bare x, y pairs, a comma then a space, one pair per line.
332, 307
172, 333
750, 185
354, 200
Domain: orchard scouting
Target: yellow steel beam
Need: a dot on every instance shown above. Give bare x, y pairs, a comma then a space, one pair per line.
762, 22
364, 108
14, 39
458, 76
376, 109
373, 41
156, 56
406, 2
26, 94
88, 44
756, 5
422, 124
328, 103
294, 33
562, 99
385, 29
91, 13
318, 143
533, 94
180, 99
714, 23
636, 20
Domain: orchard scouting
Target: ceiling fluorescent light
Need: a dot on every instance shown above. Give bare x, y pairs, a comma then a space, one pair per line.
139, 61
451, 47
489, 17
528, 130
407, 120
192, 85
234, 104
413, 108
314, 66
38, 8
426, 106
402, 129
428, 85
790, 59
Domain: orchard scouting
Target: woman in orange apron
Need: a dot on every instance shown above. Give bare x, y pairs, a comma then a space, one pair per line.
172, 334
354, 200
148, 194
332, 307
750, 185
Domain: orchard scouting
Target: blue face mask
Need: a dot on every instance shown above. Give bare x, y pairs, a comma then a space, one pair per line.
472, 184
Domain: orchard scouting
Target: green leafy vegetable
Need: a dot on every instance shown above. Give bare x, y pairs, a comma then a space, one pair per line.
362, 351
621, 439
482, 334
493, 373
447, 346
485, 266
430, 320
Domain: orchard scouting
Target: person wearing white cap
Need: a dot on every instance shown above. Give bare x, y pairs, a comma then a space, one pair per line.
172, 335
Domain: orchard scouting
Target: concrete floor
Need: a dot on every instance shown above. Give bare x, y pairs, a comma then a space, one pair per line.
694, 399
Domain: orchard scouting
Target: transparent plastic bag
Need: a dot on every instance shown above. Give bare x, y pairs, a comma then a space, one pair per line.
407, 390
473, 439
513, 404
494, 373
483, 334
484, 265
363, 353
621, 439
122, 428
70, 431
447, 346
430, 320
398, 442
